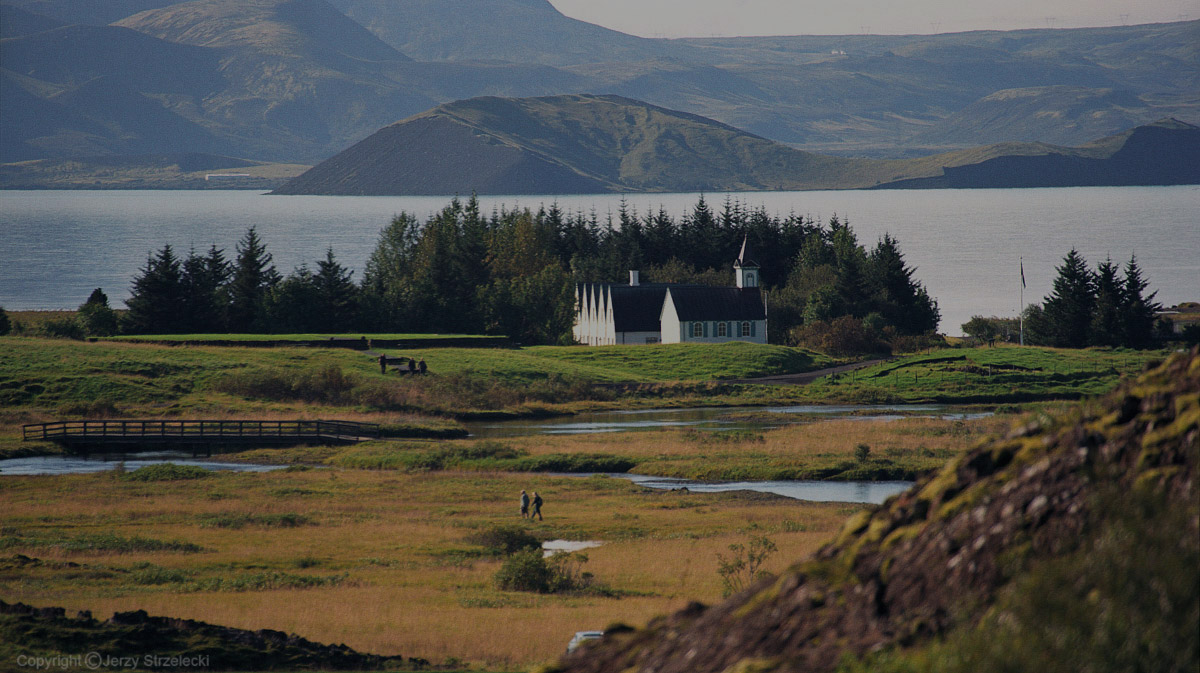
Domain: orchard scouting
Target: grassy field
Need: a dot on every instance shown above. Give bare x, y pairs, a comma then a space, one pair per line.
986, 375
640, 364
158, 338
46, 379
381, 560
376, 545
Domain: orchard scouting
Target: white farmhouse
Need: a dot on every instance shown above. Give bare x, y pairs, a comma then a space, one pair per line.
673, 313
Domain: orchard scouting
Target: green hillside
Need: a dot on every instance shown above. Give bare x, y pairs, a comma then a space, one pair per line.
587, 144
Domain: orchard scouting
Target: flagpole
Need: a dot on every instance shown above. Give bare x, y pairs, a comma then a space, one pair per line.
1021, 308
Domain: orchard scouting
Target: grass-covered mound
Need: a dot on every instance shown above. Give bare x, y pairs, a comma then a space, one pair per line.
1070, 544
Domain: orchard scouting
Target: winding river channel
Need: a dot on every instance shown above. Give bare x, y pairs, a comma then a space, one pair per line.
714, 419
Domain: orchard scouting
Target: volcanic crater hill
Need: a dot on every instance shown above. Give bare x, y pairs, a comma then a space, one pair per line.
1070, 544
592, 144
565, 144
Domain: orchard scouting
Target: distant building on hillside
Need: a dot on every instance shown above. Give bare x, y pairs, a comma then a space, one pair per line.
653, 313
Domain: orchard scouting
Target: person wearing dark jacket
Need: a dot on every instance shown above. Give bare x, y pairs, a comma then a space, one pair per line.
537, 506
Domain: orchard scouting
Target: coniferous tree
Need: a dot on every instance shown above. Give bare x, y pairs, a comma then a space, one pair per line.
291, 304
1068, 309
851, 260
205, 279
385, 284
252, 277
5, 323
1106, 326
901, 301
337, 298
96, 316
1138, 310
156, 304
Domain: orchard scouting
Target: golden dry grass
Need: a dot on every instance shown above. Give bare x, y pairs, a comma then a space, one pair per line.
413, 583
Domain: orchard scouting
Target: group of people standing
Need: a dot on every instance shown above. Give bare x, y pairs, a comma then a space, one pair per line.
411, 366
536, 504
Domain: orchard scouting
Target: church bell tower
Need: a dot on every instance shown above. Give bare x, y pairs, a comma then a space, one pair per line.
745, 267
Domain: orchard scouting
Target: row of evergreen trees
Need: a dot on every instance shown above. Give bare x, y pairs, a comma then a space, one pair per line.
1101, 308
514, 273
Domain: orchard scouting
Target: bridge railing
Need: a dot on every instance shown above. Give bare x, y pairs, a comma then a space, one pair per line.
114, 430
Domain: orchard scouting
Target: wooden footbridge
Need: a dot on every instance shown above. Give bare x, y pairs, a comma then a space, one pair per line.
197, 434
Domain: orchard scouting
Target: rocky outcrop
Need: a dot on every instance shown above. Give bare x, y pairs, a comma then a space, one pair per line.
207, 646
932, 559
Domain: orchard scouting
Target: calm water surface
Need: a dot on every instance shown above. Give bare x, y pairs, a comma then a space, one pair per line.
79, 465
59, 245
703, 418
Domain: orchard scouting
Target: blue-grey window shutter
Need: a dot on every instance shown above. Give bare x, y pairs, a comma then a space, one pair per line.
753, 325
705, 329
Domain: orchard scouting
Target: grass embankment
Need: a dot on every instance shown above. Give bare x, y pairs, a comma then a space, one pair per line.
838, 450
1005, 374
44, 380
167, 338
382, 561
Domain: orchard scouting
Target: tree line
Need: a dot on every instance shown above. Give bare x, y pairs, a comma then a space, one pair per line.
1105, 307
514, 273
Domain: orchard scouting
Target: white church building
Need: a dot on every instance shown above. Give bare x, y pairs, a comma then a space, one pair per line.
653, 313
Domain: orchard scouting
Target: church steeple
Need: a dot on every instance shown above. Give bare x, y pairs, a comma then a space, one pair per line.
745, 267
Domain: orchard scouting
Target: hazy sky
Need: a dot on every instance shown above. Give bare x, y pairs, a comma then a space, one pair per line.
703, 18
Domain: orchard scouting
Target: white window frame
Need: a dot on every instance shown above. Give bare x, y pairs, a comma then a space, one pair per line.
697, 330
723, 329
745, 328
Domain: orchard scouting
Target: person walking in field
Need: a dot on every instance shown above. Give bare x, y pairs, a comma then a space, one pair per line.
524, 505
421, 366
382, 364
537, 506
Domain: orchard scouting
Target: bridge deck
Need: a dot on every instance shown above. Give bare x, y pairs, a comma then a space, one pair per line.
211, 432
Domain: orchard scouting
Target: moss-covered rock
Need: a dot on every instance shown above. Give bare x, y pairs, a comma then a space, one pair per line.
933, 562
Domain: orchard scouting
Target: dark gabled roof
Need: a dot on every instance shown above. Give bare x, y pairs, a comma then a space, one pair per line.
637, 308
718, 303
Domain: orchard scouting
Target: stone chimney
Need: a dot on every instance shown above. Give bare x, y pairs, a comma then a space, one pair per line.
633, 279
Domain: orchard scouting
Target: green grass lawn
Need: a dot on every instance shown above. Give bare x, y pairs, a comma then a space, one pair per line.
987, 375
284, 337
641, 364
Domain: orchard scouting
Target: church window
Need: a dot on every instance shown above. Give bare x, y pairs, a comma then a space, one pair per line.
722, 329
697, 329
746, 328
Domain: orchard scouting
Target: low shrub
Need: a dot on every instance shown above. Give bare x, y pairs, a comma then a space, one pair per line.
95, 543
150, 574
529, 570
268, 581
504, 539
165, 472
238, 520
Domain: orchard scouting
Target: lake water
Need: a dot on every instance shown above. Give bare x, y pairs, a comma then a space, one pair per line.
56, 246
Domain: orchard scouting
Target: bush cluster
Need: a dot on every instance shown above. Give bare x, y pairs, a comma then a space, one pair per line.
529, 570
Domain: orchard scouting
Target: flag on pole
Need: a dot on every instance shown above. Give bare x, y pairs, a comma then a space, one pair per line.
1022, 272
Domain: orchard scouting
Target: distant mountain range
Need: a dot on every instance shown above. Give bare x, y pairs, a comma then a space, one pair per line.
299, 80
589, 144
